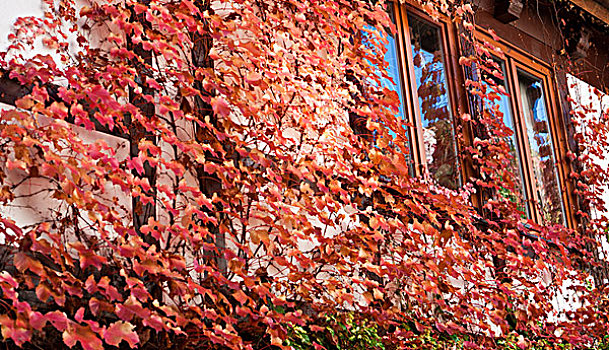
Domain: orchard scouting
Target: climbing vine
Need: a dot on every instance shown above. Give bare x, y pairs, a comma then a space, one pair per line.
231, 175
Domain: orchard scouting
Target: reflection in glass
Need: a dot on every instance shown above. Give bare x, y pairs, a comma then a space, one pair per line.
502, 109
393, 81
540, 143
393, 71
432, 90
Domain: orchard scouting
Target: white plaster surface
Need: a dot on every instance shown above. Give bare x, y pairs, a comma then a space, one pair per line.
13, 9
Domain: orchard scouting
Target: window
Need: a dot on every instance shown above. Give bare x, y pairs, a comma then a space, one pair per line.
419, 60
423, 88
419, 67
531, 98
530, 110
500, 106
431, 92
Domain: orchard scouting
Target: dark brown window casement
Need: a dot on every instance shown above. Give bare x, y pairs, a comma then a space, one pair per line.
422, 60
418, 59
530, 110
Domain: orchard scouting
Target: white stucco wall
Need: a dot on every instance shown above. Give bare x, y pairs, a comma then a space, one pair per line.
585, 96
594, 103
13, 9
30, 210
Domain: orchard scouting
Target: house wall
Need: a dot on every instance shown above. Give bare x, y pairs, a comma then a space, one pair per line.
591, 107
28, 210
529, 34
537, 32
11, 10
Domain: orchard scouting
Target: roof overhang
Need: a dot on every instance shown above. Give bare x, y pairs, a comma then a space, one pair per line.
597, 8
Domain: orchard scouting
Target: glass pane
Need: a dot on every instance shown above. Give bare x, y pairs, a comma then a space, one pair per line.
540, 142
393, 81
393, 70
501, 108
432, 92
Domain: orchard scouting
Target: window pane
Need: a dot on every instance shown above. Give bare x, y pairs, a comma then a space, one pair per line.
502, 109
395, 81
432, 90
391, 57
540, 142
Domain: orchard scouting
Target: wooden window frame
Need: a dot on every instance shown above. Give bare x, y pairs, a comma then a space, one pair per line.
517, 60
456, 100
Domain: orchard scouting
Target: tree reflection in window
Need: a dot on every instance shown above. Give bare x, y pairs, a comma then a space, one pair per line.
499, 105
540, 143
392, 81
432, 90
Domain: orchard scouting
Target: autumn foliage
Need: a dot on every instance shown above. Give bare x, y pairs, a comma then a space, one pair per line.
236, 202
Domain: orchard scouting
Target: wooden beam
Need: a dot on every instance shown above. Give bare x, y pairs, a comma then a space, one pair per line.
595, 8
508, 11
10, 89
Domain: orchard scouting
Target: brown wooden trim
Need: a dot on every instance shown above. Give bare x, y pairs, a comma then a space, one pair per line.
458, 95
455, 100
596, 9
416, 135
510, 50
517, 59
410, 108
526, 42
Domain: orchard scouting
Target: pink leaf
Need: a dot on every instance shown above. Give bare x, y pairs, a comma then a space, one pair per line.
120, 331
220, 106
77, 333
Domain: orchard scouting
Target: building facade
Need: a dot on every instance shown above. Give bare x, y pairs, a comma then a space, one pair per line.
543, 73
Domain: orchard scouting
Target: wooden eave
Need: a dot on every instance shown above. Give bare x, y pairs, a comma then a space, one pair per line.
597, 8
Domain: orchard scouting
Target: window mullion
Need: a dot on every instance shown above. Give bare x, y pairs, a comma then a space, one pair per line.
405, 84
415, 128
521, 135
559, 148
